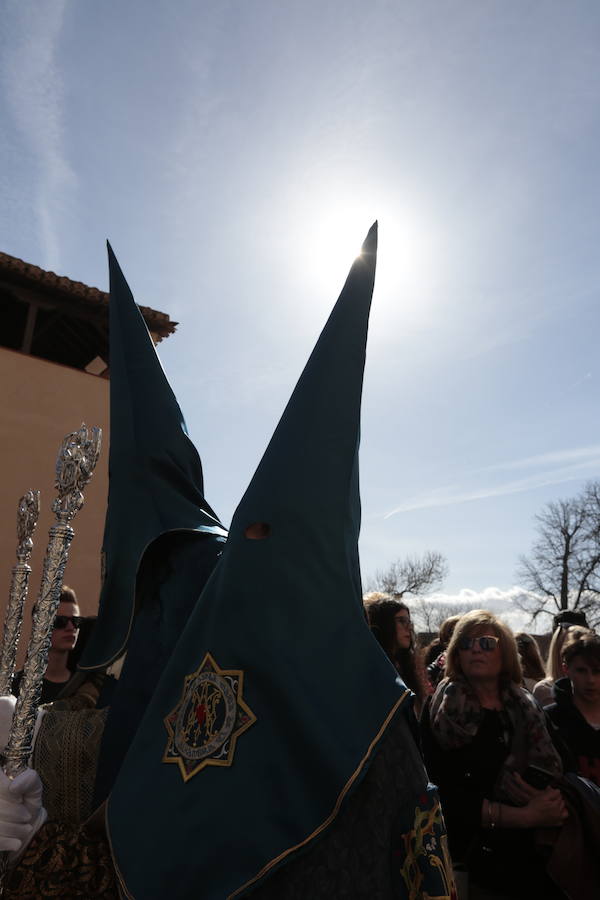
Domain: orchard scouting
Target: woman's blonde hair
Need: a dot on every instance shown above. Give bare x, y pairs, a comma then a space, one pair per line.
446, 629
531, 658
474, 621
554, 669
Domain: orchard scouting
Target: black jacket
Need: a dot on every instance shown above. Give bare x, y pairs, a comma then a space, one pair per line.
582, 740
503, 859
465, 777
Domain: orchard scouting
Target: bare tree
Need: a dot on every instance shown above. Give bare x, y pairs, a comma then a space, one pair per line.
428, 614
415, 575
563, 569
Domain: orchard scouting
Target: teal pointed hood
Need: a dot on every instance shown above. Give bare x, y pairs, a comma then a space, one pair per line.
155, 474
306, 485
277, 694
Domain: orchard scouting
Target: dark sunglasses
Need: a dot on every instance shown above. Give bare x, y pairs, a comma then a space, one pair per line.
63, 621
486, 642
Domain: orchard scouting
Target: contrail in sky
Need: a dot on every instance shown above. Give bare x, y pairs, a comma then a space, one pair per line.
580, 462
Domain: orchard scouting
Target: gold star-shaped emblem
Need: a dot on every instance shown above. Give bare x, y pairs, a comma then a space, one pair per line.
204, 726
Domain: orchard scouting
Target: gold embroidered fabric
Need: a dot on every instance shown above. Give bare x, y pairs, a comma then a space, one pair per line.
65, 863
81, 692
65, 756
355, 859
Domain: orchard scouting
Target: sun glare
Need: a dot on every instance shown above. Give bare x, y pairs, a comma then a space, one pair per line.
328, 221
408, 256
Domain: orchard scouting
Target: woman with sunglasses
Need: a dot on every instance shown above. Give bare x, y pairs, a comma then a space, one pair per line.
65, 632
481, 734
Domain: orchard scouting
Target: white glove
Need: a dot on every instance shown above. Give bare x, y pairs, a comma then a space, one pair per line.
21, 811
7, 708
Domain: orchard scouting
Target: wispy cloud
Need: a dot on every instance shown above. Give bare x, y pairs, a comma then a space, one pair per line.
32, 84
590, 454
569, 388
576, 463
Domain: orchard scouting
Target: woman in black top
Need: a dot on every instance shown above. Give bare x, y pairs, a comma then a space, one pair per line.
481, 731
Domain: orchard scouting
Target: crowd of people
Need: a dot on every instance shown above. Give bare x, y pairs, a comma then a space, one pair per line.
514, 748
519, 782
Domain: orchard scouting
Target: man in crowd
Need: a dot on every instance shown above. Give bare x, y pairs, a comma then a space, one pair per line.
576, 712
65, 631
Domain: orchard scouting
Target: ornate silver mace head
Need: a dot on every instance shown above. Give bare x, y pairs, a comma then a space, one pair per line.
77, 458
28, 513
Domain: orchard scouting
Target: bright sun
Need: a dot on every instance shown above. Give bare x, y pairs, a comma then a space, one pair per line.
407, 257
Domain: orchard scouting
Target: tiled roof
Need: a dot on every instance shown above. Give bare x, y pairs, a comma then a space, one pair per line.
17, 270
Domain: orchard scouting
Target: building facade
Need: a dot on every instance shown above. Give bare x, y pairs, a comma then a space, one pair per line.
54, 376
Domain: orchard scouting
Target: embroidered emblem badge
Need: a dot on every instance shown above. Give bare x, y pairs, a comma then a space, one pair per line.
204, 726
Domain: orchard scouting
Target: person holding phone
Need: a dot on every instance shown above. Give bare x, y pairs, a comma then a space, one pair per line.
481, 732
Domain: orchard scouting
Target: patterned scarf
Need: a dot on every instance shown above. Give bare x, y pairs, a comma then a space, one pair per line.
456, 716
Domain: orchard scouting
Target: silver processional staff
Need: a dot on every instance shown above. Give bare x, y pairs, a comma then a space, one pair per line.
76, 461
27, 516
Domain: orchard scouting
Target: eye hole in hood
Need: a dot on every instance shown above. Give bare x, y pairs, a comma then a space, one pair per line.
258, 531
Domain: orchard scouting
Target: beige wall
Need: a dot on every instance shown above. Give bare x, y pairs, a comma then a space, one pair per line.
41, 403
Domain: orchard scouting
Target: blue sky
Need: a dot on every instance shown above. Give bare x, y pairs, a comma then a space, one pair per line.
235, 153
